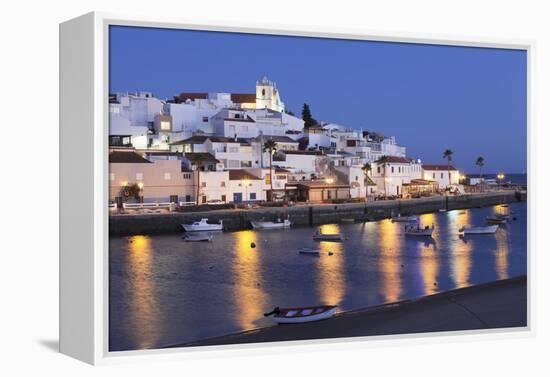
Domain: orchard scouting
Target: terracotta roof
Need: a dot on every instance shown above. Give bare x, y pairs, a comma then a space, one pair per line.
240, 175
393, 160
420, 182
281, 170
243, 97
127, 157
204, 156
437, 167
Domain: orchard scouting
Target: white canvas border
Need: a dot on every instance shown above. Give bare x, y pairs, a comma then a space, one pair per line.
100, 341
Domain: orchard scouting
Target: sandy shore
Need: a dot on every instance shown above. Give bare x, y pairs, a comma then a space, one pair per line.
498, 304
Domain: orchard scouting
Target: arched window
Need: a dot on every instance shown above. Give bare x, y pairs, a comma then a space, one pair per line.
263, 92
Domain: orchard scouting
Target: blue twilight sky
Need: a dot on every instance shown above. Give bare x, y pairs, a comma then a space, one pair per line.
471, 100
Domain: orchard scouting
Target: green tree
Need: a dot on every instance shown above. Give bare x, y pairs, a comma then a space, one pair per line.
307, 117
131, 190
367, 168
270, 146
448, 154
480, 162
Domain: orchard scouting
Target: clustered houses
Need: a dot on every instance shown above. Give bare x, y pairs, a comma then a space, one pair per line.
242, 147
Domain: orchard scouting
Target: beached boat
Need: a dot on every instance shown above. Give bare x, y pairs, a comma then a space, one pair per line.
301, 315
497, 219
416, 230
404, 219
271, 224
202, 226
491, 229
309, 250
320, 236
198, 237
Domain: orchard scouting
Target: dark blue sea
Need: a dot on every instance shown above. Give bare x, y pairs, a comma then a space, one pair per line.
164, 291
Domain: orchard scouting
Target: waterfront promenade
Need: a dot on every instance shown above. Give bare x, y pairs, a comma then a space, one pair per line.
305, 215
500, 304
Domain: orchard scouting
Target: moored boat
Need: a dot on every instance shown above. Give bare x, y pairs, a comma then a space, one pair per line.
309, 250
416, 230
198, 237
404, 219
320, 236
302, 314
202, 226
491, 229
497, 219
271, 224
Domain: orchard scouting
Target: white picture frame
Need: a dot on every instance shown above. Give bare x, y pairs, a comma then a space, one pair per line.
84, 177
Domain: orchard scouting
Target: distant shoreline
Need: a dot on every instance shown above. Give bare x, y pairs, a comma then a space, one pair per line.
492, 305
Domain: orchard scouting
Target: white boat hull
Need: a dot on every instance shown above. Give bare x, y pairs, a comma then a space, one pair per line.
479, 230
310, 318
309, 251
421, 232
271, 224
202, 226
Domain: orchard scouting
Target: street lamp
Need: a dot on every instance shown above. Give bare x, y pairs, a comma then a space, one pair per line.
329, 180
500, 177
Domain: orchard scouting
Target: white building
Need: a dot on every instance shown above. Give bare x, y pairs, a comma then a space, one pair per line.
253, 123
440, 174
391, 172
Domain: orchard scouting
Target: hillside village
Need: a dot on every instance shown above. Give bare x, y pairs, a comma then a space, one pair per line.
201, 148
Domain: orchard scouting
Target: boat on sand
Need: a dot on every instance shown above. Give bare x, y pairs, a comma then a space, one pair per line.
302, 314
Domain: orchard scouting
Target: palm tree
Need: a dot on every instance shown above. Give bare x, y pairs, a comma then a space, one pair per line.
270, 146
480, 162
367, 168
448, 154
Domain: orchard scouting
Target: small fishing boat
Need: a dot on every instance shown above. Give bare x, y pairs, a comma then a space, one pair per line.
404, 219
302, 315
309, 250
497, 219
198, 237
271, 224
491, 229
202, 226
320, 236
416, 230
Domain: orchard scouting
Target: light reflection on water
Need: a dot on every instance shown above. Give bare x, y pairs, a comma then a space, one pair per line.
164, 291
330, 277
248, 293
390, 262
143, 304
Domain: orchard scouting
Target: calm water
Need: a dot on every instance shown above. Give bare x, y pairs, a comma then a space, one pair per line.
164, 291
